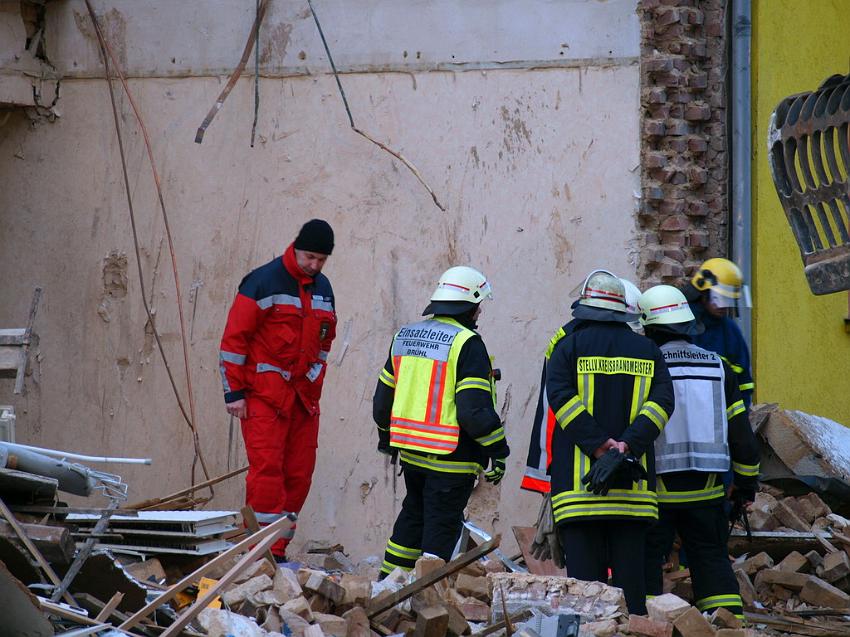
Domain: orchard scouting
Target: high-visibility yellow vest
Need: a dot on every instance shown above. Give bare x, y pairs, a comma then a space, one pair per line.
424, 413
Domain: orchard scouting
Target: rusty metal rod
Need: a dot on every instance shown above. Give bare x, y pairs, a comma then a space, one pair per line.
231, 82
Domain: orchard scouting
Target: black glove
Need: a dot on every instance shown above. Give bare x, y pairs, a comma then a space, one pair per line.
743, 495
384, 442
602, 472
497, 470
738, 511
633, 469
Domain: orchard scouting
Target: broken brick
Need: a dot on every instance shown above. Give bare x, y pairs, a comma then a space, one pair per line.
754, 564
640, 625
794, 561
470, 586
811, 507
331, 624
819, 593
724, 618
692, 623
666, 608
786, 579
835, 566
814, 558
784, 512
323, 585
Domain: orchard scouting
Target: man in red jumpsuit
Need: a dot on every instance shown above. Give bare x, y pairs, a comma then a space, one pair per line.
273, 360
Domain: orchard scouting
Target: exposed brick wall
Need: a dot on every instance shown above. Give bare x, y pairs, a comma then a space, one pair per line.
684, 209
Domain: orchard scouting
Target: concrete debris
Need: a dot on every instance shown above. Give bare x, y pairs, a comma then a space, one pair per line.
241, 592
794, 576
666, 608
808, 445
552, 594
221, 623
639, 625
606, 628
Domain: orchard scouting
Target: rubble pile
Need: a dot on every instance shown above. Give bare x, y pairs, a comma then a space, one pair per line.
785, 576
170, 572
330, 596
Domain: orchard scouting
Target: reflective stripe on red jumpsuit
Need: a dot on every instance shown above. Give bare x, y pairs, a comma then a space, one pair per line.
274, 354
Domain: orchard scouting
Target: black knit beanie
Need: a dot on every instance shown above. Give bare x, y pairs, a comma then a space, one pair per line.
315, 236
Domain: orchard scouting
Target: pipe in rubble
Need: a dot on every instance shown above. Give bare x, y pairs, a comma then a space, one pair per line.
56, 453
72, 478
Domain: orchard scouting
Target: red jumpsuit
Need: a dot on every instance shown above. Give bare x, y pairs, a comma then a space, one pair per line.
274, 354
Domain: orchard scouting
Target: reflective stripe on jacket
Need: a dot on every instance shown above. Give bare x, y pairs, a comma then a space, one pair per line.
699, 487
604, 381
278, 335
536, 476
695, 438
425, 355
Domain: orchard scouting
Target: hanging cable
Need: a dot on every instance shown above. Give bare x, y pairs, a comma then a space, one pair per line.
106, 52
231, 82
392, 152
256, 71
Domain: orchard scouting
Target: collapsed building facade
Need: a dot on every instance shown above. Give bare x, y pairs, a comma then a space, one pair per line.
555, 145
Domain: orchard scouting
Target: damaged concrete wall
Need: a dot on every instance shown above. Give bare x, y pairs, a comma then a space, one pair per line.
524, 123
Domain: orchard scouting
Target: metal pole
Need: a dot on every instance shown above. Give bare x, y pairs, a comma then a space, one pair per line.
741, 182
56, 453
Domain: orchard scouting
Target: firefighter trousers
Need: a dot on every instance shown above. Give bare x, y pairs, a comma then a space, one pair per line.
704, 531
281, 450
430, 520
592, 547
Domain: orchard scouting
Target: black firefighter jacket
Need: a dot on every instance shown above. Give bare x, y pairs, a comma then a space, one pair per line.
604, 381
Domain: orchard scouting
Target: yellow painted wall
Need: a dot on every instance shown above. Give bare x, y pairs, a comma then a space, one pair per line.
801, 351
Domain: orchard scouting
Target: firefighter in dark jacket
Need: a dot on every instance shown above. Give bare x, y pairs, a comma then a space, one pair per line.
714, 292
536, 477
435, 406
612, 396
709, 432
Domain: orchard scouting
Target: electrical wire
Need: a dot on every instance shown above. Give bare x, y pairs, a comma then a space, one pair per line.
256, 71
106, 52
392, 152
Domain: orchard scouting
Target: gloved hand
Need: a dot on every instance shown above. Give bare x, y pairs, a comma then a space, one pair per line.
742, 495
546, 544
384, 442
602, 472
738, 511
633, 469
497, 470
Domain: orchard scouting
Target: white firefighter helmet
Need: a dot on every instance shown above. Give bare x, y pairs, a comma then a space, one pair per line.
459, 289
602, 298
603, 290
665, 308
632, 296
